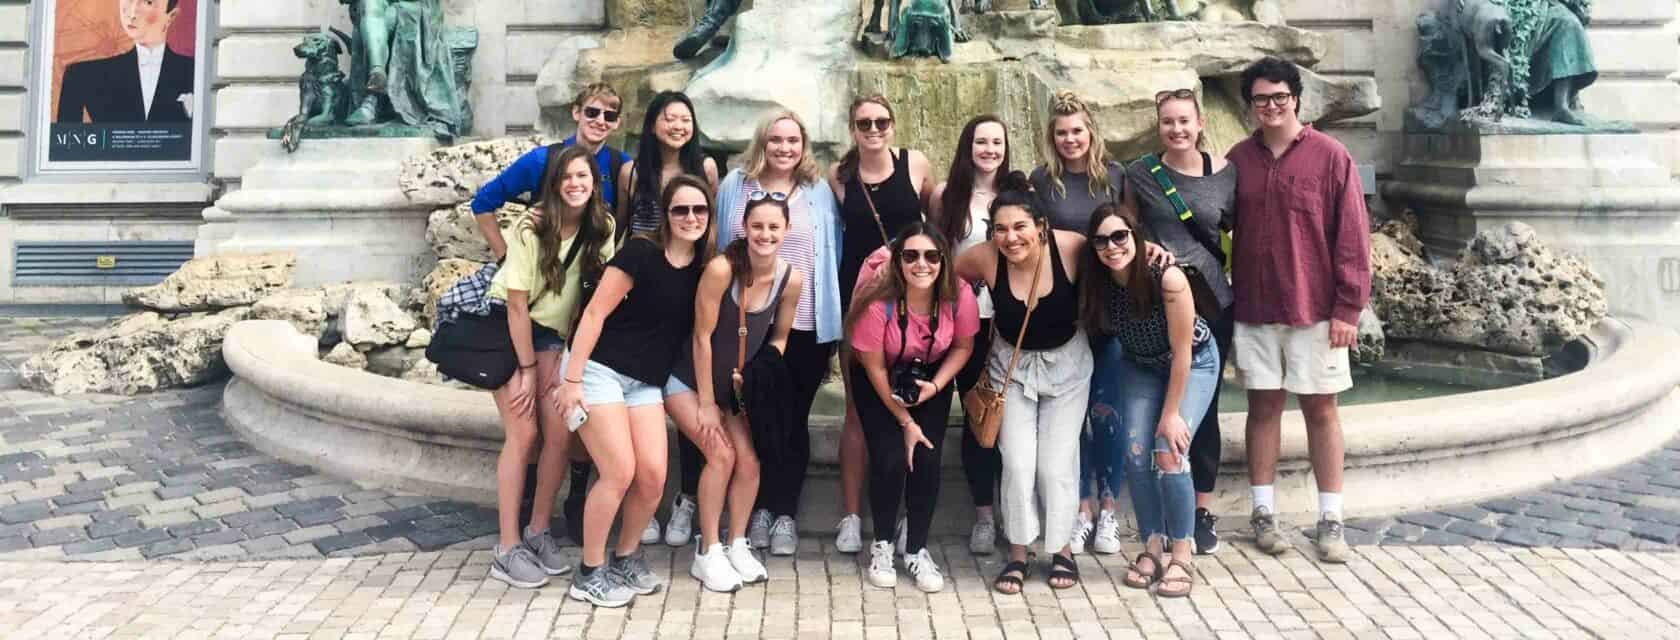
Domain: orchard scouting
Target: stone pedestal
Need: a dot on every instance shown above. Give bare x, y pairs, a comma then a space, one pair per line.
1601, 196
336, 203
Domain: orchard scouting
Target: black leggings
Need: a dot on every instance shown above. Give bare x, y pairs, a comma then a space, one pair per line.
888, 476
1204, 448
692, 462
981, 466
780, 485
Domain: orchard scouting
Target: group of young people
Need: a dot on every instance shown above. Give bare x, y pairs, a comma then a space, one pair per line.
1092, 295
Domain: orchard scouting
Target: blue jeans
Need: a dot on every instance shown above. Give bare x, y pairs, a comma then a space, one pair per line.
1097, 465
1130, 399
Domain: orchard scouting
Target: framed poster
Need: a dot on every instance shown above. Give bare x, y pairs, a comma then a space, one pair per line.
124, 87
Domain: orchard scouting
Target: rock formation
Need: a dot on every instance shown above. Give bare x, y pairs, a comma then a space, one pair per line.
450, 175
141, 352
217, 282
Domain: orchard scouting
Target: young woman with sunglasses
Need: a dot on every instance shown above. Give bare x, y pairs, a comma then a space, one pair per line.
881, 190
749, 276
1076, 177
960, 208
621, 358
779, 166
539, 285
1029, 265
1208, 186
669, 146
1156, 390
915, 324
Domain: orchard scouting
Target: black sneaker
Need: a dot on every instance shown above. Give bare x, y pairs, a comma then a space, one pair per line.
572, 508
1207, 539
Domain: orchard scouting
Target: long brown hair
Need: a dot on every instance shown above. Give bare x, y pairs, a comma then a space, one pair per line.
890, 285
662, 234
740, 266
594, 226
849, 162
1095, 276
959, 183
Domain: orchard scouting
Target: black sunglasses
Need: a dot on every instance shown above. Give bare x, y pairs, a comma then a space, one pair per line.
879, 124
930, 256
1277, 99
684, 210
1117, 238
596, 112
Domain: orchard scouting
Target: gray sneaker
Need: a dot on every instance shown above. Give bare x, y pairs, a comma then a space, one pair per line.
1331, 546
633, 572
549, 557
784, 537
519, 567
1266, 534
601, 589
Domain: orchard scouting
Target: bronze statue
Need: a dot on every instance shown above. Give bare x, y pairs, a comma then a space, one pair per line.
927, 29
1093, 12
1508, 57
705, 28
322, 99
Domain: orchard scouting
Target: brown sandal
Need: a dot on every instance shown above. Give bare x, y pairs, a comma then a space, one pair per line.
1176, 586
1148, 577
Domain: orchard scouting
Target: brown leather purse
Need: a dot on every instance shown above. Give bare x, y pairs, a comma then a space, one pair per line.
983, 404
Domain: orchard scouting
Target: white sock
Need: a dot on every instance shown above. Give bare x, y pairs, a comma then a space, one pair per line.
1262, 496
1330, 505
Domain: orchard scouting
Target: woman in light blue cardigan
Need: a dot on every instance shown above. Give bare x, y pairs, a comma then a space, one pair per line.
779, 164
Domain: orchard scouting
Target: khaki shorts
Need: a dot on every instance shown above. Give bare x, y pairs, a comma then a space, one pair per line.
1295, 359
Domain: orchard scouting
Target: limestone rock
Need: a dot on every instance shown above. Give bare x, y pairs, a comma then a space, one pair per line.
1368, 348
217, 282
451, 175
141, 352
342, 354
420, 339
453, 232
393, 362
444, 276
305, 309
372, 319
1507, 293
558, 83
425, 371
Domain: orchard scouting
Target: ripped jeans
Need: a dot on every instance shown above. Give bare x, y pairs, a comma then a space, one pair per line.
1130, 399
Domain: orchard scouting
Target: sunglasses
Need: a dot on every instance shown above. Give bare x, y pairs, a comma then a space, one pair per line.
760, 195
596, 112
686, 210
878, 124
1117, 238
1174, 94
1276, 99
930, 256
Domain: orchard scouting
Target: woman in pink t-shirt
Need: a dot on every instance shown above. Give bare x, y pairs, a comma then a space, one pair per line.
911, 332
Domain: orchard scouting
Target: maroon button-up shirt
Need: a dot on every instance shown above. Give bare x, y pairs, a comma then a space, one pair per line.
1301, 240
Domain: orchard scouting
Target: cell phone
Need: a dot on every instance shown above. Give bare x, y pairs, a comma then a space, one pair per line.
576, 417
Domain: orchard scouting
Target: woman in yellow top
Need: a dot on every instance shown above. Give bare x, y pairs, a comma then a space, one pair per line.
540, 283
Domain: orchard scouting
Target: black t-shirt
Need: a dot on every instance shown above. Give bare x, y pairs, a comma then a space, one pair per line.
642, 337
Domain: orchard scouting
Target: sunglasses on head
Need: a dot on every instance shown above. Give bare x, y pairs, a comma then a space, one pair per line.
878, 124
930, 256
1117, 238
1174, 94
686, 210
760, 195
596, 112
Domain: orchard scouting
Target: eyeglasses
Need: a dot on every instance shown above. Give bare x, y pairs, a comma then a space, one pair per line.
1119, 237
1174, 94
1276, 99
878, 124
760, 195
931, 256
596, 112
688, 210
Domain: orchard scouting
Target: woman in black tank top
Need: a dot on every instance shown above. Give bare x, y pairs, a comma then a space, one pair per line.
1055, 319
860, 178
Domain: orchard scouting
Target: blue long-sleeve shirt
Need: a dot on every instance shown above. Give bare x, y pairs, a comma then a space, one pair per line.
525, 176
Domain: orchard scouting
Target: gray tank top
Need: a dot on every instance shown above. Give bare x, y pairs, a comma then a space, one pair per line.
724, 335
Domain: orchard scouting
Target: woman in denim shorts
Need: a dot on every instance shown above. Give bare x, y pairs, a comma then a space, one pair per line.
621, 357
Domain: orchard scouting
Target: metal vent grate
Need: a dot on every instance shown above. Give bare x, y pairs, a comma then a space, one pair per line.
131, 263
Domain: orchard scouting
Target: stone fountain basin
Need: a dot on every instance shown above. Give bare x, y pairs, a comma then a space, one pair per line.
1401, 456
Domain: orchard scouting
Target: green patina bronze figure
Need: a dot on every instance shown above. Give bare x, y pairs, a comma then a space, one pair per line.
926, 29
1094, 12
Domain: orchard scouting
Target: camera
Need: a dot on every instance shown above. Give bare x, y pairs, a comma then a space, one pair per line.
905, 375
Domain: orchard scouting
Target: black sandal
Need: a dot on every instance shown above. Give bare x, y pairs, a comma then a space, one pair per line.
1014, 566
1062, 567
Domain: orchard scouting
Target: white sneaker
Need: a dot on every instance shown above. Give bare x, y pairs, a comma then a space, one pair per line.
848, 535
881, 572
982, 539
928, 578
680, 529
784, 537
714, 571
746, 564
1082, 528
650, 535
758, 528
1108, 533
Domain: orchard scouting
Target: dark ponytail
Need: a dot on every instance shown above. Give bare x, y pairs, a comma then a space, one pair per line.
736, 253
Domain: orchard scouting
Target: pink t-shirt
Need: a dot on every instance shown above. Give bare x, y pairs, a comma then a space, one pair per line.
876, 332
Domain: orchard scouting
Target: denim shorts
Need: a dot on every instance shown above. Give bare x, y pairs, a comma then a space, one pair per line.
603, 385
546, 339
673, 387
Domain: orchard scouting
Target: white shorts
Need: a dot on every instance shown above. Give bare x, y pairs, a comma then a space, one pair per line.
1299, 360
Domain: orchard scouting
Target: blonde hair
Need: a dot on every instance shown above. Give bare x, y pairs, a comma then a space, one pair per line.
1063, 104
600, 90
753, 160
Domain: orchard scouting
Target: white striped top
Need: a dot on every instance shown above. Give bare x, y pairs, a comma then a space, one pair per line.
799, 248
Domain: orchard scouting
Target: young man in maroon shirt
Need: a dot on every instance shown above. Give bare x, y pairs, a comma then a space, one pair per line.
1301, 274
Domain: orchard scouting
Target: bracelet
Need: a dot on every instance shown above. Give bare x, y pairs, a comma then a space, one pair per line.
528, 366
577, 381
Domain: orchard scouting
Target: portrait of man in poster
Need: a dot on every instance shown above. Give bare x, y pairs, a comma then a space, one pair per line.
149, 82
